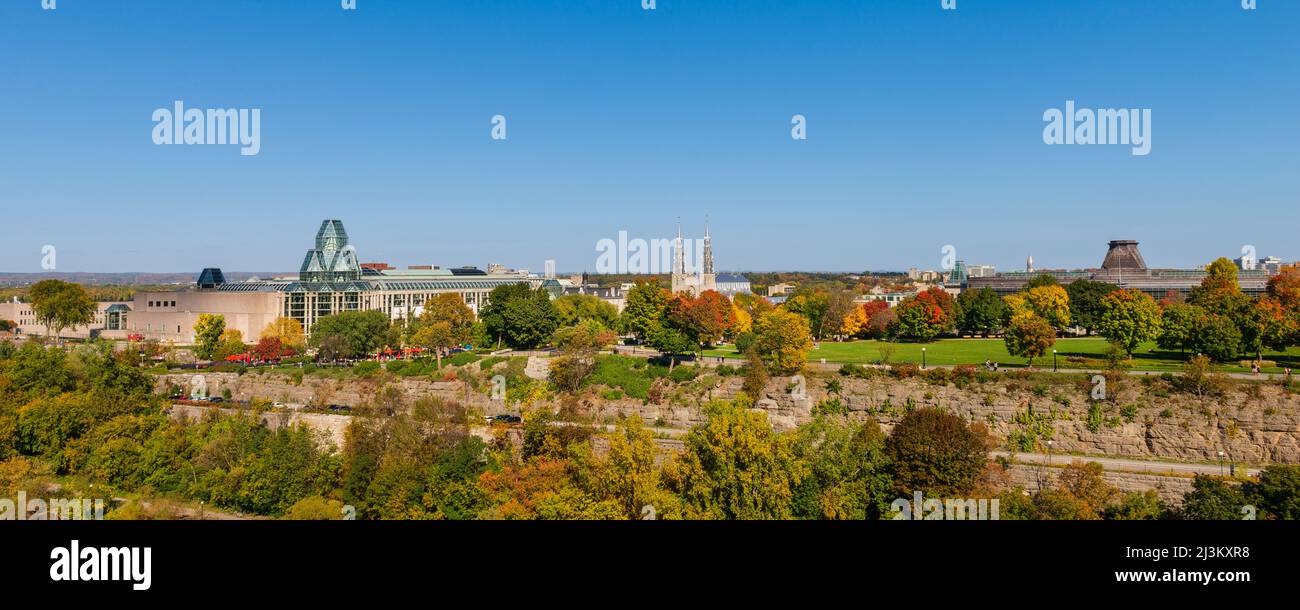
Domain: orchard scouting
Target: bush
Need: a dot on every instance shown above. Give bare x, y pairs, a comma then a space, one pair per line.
904, 370
683, 374
366, 369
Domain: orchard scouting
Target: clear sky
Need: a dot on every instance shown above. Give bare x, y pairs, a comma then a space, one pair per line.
925, 128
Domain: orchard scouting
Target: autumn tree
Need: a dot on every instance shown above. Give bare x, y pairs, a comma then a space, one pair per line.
207, 334
936, 452
289, 331
735, 466
444, 323
1028, 336
1129, 318
925, 315
782, 341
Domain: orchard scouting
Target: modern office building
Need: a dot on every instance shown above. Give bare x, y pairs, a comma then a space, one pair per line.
329, 281
1123, 267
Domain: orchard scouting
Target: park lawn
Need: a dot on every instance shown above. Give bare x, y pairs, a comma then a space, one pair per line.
975, 351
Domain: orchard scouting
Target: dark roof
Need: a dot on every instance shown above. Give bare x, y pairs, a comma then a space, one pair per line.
467, 271
730, 278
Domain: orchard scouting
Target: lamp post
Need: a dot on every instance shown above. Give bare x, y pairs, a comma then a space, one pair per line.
923, 357
1053, 361
1220, 463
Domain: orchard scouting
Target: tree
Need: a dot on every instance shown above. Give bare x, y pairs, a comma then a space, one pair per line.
735, 466
1051, 303
1042, 280
744, 322
782, 340
575, 308
1029, 336
445, 322
1277, 492
644, 311
207, 334
352, 334
839, 304
704, 318
289, 331
1285, 287
230, 344
672, 342
578, 346
1212, 500
1218, 338
925, 315
937, 453
813, 305
1180, 327
1220, 284
519, 316
1129, 318
1085, 302
982, 311
268, 348
58, 305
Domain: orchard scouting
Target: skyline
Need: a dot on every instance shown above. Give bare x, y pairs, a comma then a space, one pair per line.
924, 129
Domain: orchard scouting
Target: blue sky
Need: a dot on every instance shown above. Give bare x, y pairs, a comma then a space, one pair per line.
924, 129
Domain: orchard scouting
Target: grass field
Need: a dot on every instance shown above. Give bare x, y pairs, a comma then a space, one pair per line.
1074, 353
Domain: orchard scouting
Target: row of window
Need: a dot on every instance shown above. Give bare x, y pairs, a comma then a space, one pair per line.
162, 303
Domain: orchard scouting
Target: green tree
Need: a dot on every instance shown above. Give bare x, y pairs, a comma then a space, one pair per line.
352, 334
575, 308
644, 311
1042, 280
1277, 492
1085, 302
672, 343
519, 316
58, 305
1212, 500
207, 334
578, 346
981, 311
1129, 317
1180, 327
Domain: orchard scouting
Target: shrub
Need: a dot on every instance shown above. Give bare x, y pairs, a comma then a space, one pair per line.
366, 369
903, 370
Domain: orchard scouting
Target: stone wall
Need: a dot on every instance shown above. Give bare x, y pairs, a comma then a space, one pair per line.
1258, 426
1170, 488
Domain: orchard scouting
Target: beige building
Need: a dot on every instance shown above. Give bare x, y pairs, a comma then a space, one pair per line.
329, 281
106, 315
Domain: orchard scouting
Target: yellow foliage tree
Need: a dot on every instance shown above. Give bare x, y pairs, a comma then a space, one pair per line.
289, 331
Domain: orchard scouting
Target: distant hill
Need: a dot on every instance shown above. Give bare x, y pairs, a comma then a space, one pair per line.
123, 279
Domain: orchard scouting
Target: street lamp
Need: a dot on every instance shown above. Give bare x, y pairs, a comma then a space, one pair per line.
1220, 463
1053, 361
923, 357
1049, 452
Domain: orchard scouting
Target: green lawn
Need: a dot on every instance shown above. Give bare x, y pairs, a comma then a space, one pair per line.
976, 351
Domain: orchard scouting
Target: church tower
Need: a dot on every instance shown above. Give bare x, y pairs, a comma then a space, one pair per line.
707, 281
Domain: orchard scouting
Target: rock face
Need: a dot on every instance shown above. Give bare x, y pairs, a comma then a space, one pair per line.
1253, 423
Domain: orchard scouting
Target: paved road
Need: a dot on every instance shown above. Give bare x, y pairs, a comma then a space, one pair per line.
1126, 464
